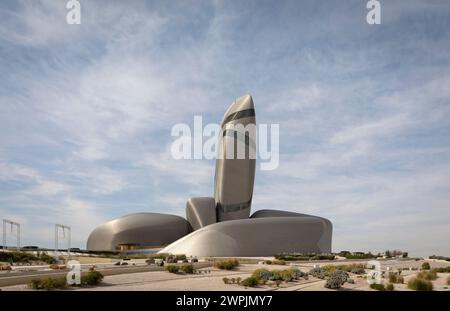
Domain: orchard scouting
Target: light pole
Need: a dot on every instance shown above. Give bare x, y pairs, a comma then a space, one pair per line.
12, 224
69, 236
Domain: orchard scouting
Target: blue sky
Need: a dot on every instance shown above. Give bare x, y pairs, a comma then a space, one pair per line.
364, 112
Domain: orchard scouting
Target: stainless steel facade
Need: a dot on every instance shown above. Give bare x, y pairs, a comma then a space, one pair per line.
222, 226
233, 183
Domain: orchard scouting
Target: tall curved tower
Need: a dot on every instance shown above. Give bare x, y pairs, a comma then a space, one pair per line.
235, 164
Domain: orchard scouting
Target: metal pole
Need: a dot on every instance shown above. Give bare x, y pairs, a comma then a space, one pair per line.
70, 234
18, 236
4, 234
56, 239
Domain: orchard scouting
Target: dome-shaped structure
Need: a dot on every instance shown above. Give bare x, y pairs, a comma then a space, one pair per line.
140, 230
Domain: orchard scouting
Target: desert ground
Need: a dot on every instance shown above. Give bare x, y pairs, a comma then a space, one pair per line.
211, 279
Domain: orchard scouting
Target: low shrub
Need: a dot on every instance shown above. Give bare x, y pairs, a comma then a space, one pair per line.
262, 274
439, 257
22, 257
426, 266
171, 259
91, 278
358, 271
227, 264
420, 284
376, 286
394, 278
238, 280
268, 262
368, 255
172, 268
47, 259
297, 273
150, 261
300, 256
448, 280
226, 280
187, 268
353, 268
318, 273
427, 275
278, 282
336, 279
286, 275
249, 282
351, 281
194, 260
442, 270
390, 287
48, 283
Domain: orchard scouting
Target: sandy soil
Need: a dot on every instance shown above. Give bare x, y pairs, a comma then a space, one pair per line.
162, 280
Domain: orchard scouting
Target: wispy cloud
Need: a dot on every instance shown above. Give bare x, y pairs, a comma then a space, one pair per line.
86, 112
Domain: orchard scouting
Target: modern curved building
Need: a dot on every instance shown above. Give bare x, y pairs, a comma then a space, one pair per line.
222, 225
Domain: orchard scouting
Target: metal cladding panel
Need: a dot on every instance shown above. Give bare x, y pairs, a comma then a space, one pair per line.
234, 179
200, 212
141, 229
256, 237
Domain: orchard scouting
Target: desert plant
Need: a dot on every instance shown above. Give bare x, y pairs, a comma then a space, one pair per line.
48, 283
187, 268
172, 268
358, 271
180, 257
278, 282
171, 259
268, 262
227, 264
442, 270
297, 273
262, 274
251, 281
91, 278
394, 278
448, 280
336, 279
390, 287
420, 284
351, 281
226, 280
286, 275
317, 272
238, 280
150, 261
377, 286
301, 256
47, 259
426, 266
427, 275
